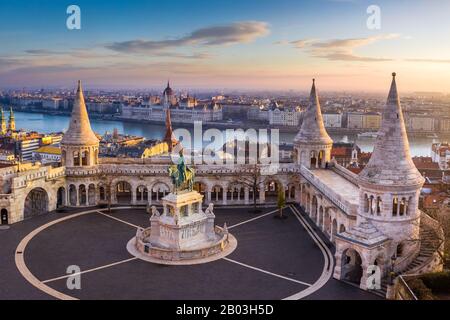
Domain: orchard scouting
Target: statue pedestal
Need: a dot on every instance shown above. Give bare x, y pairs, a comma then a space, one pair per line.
183, 224
183, 231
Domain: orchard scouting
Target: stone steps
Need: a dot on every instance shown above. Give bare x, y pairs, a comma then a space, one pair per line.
428, 246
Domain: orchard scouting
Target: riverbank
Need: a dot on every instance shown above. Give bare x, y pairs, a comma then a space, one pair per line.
228, 125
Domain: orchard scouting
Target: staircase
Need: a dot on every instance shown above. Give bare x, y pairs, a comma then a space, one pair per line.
429, 244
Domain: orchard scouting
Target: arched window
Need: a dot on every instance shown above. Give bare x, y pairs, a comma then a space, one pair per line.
84, 158
402, 207
395, 206
408, 206
76, 158
366, 203
379, 203
372, 203
102, 193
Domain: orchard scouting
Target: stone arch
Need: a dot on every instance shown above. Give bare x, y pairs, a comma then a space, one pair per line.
327, 222
91, 195
342, 228
291, 192
351, 266
73, 195
61, 197
334, 227
271, 187
124, 192
4, 216
320, 158
82, 194
254, 195
321, 217
85, 158
313, 159
314, 208
101, 192
36, 203
308, 203
142, 194
201, 188
76, 158
217, 193
159, 190
235, 192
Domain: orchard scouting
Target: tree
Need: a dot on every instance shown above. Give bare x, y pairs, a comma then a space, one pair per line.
281, 201
253, 179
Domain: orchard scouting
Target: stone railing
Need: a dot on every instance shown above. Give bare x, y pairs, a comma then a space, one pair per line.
139, 167
55, 173
347, 208
345, 173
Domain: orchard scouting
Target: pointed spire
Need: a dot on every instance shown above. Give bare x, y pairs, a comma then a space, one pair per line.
313, 130
12, 121
391, 163
169, 138
79, 132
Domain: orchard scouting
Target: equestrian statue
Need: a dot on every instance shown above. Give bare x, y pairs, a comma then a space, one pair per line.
182, 177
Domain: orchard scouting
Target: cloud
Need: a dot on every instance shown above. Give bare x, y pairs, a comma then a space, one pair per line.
235, 33
341, 49
429, 60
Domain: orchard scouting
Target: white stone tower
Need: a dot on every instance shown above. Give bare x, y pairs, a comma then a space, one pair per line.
80, 144
390, 185
312, 144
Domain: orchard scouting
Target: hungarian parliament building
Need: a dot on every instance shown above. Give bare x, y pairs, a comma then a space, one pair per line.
183, 110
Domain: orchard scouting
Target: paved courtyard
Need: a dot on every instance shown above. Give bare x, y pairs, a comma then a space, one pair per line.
274, 259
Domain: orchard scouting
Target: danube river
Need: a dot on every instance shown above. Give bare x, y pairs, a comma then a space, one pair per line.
50, 123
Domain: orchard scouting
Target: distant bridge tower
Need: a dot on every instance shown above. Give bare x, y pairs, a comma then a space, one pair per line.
312, 145
79, 145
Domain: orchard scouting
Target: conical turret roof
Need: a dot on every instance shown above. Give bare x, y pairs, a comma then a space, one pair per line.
79, 132
313, 130
391, 163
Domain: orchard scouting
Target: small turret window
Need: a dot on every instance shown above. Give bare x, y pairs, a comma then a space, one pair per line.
379, 203
372, 204
76, 159
395, 206
366, 203
403, 207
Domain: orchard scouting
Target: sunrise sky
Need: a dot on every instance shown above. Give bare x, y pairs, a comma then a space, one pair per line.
226, 44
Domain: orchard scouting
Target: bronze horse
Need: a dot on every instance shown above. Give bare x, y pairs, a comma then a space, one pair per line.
178, 181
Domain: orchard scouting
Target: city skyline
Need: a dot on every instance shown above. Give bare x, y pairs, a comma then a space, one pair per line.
250, 45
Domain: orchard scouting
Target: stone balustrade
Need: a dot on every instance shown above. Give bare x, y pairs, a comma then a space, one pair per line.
347, 208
